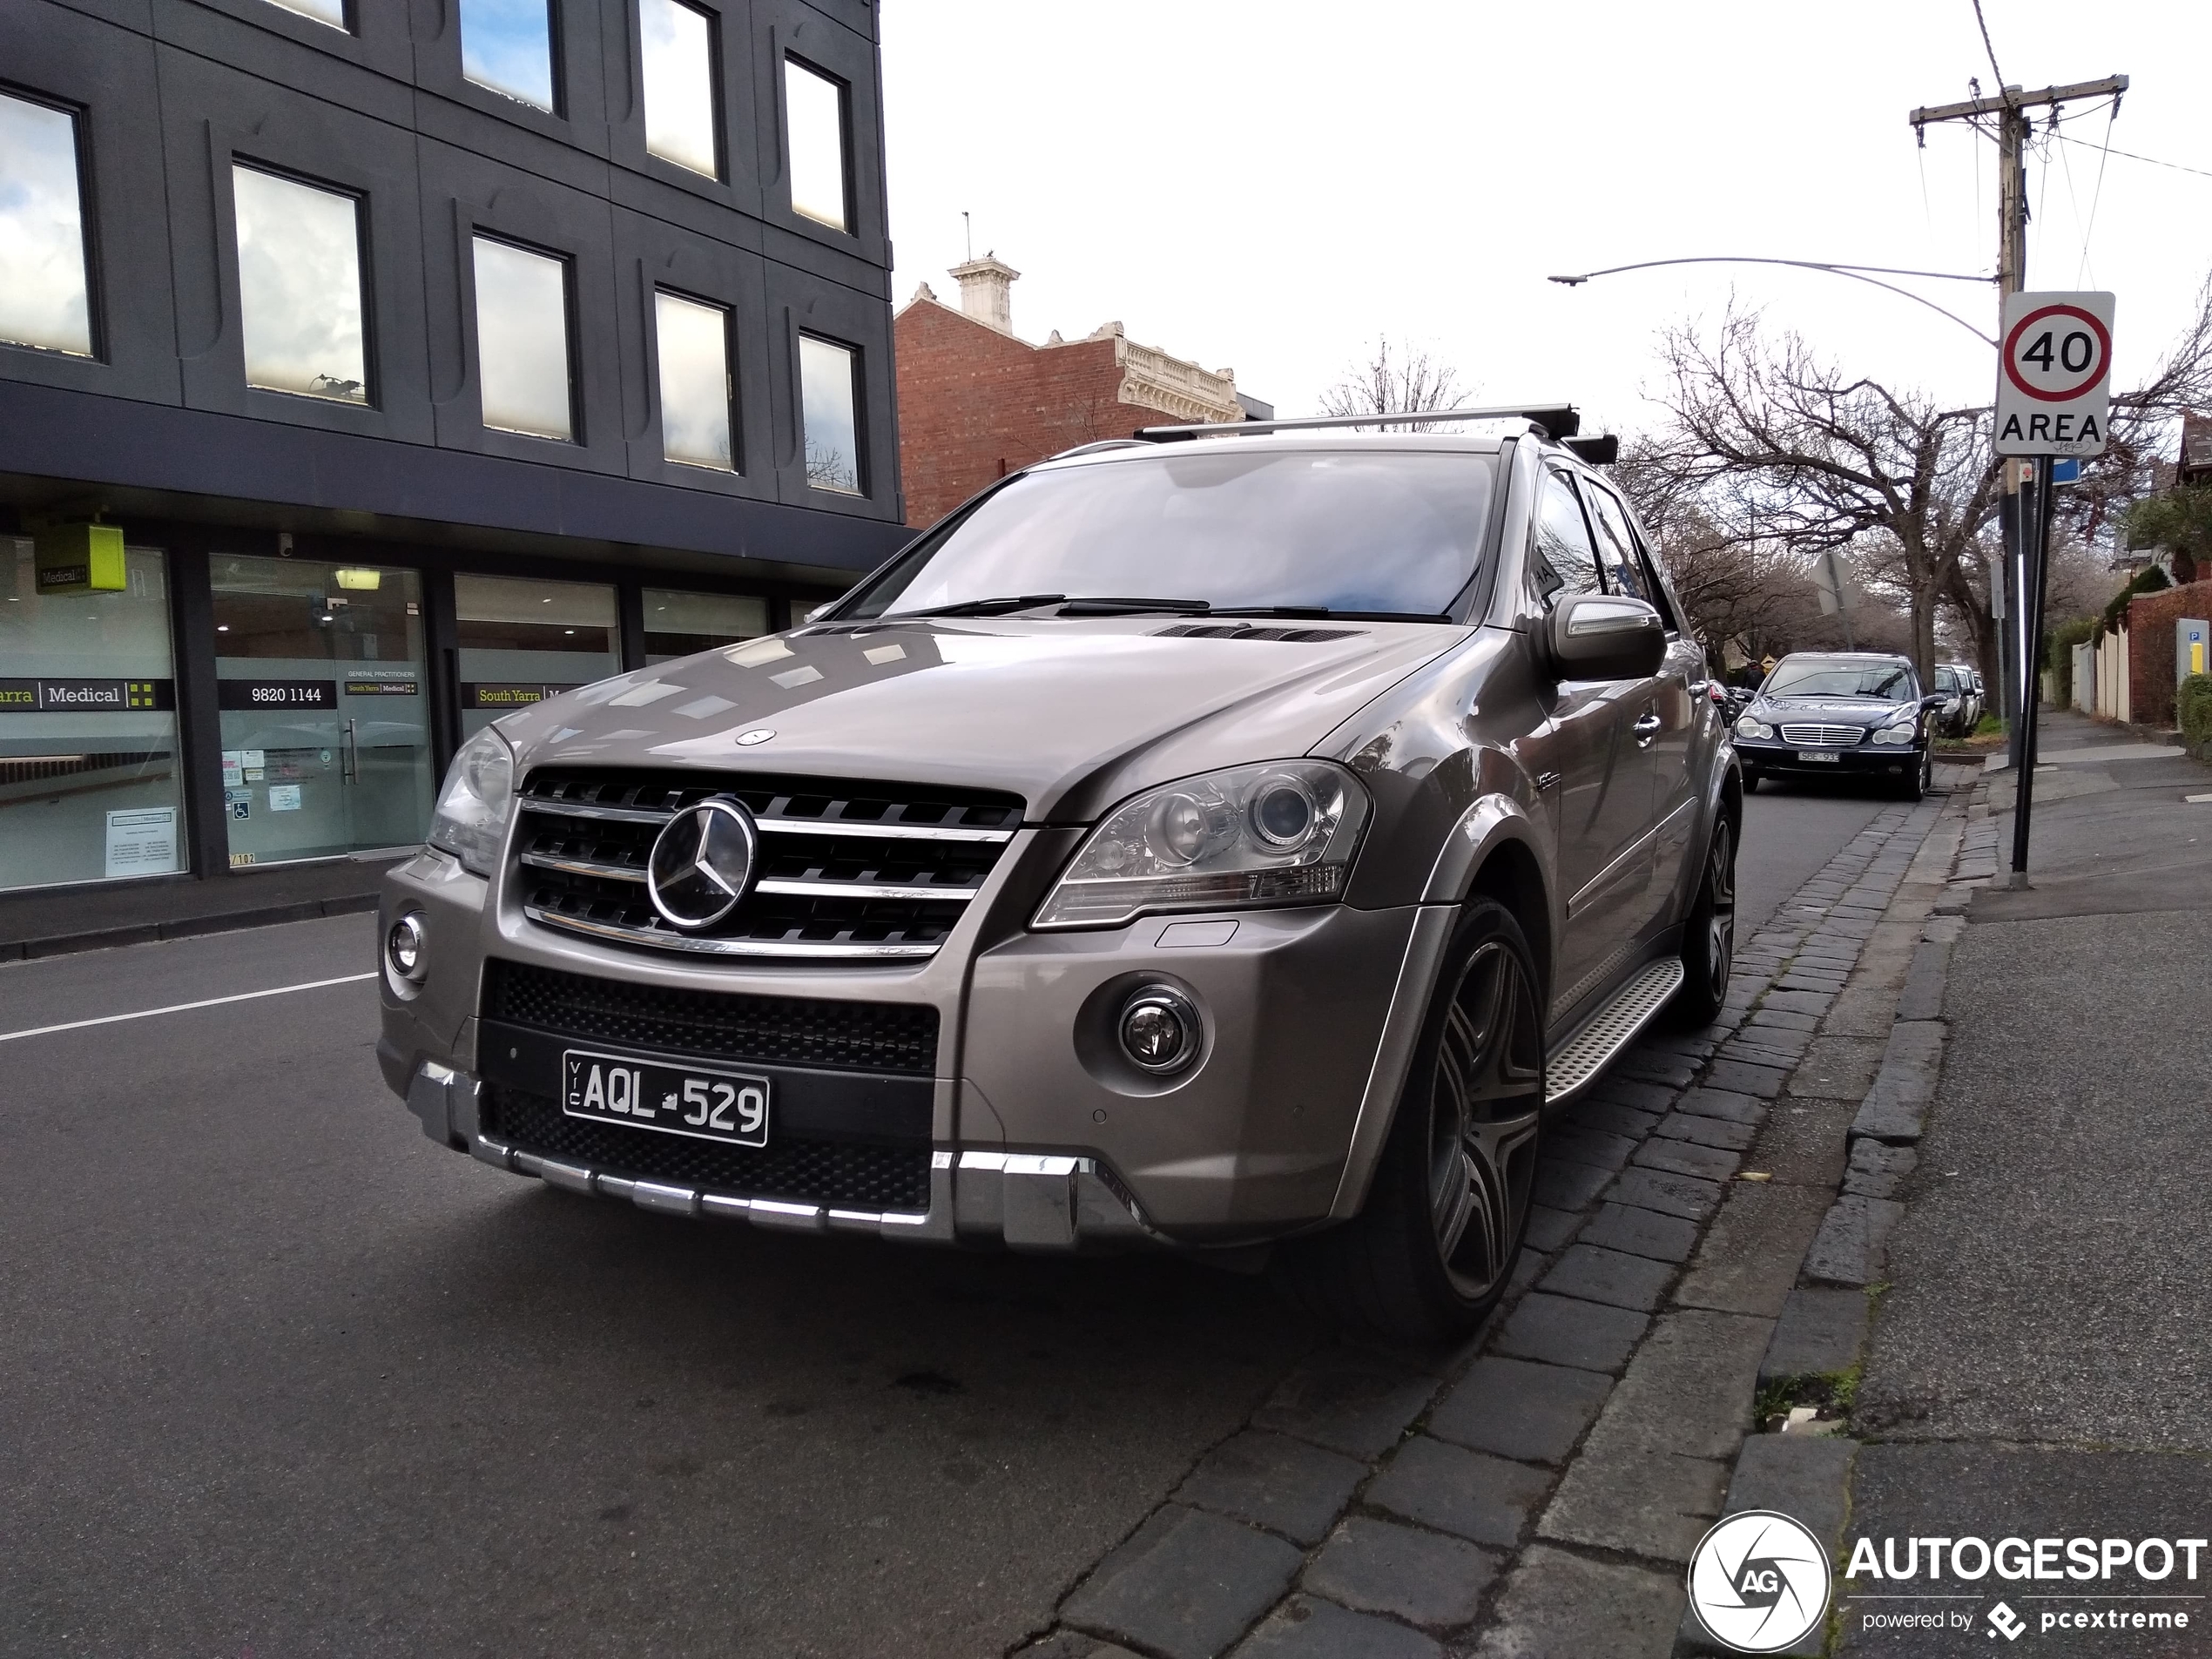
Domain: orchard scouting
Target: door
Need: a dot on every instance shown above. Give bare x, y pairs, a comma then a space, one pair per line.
1666, 724
324, 709
1601, 804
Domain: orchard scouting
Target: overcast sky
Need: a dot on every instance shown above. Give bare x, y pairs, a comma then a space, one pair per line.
1269, 185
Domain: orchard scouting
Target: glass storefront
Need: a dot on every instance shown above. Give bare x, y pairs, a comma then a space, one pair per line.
324, 707
522, 641
677, 624
89, 788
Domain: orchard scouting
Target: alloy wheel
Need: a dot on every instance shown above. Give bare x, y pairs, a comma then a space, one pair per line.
1720, 922
1485, 1101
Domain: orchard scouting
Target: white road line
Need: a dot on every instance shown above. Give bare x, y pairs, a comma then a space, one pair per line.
185, 1008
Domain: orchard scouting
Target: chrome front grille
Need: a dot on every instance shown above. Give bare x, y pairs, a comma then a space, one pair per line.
1823, 737
847, 871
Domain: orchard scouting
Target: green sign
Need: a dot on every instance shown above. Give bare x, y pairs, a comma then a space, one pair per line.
79, 558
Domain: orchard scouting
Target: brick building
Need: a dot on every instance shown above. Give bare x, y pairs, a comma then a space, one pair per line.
976, 402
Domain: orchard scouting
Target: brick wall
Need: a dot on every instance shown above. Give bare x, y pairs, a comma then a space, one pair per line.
2151, 648
975, 404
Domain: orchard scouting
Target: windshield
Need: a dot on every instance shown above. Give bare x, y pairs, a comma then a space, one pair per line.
1890, 682
1341, 530
1946, 679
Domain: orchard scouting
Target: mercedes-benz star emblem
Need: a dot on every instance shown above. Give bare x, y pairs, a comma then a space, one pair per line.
701, 863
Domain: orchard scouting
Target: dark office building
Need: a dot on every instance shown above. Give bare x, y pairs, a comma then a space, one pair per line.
370, 367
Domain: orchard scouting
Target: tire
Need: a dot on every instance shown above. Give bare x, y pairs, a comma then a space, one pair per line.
1751, 777
1916, 786
1708, 935
1432, 1251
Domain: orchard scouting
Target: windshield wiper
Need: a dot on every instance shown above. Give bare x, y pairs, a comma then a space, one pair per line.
983, 607
1114, 605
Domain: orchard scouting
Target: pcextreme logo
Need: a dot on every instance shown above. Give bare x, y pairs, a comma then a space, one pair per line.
1759, 1581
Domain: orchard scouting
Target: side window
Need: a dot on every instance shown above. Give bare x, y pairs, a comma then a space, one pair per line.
1565, 561
1616, 547
1640, 573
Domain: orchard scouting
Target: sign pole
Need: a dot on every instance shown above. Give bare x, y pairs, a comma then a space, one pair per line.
2032, 587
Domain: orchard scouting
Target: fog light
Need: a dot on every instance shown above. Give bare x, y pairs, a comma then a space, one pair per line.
1159, 1030
403, 948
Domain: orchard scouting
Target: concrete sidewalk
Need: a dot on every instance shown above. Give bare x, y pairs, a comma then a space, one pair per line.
2037, 1365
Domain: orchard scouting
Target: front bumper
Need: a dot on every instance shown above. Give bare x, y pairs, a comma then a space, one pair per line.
1861, 760
1034, 1131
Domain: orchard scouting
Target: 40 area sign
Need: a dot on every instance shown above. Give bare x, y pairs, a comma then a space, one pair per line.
2055, 374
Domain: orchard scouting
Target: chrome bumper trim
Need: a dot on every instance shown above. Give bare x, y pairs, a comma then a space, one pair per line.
1042, 1201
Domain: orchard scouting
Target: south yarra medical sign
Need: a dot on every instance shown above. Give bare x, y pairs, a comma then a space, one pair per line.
2055, 374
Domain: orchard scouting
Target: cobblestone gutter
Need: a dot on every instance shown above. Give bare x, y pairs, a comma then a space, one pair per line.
1538, 1491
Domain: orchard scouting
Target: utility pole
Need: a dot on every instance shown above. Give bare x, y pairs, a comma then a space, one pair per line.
2018, 653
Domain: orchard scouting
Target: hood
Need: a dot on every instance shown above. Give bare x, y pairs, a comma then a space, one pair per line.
1071, 715
1832, 710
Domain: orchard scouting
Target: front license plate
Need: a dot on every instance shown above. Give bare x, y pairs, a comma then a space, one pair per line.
702, 1101
1818, 754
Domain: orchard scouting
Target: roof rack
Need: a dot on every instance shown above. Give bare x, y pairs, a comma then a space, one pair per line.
1094, 448
1554, 420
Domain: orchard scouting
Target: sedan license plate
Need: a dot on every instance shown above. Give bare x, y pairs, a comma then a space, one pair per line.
701, 1100
1818, 754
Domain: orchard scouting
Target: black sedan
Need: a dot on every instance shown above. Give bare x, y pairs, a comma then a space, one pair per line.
1848, 714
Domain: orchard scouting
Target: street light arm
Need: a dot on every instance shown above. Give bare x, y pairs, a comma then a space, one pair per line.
1857, 273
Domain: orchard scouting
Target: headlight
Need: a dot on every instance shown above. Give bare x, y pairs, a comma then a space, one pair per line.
1903, 732
1747, 727
472, 808
1279, 833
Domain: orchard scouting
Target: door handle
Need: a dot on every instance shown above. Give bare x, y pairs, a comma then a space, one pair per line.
349, 768
1647, 729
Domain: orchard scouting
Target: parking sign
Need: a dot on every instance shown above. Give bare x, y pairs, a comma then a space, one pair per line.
2055, 374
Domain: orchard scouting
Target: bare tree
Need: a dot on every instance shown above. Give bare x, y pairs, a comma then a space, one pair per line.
1772, 441
1777, 443
1403, 380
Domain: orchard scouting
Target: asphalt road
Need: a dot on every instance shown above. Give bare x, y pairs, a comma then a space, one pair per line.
1790, 830
282, 1377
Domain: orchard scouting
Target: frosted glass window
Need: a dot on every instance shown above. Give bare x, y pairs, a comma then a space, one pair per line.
522, 341
507, 45
330, 11
43, 294
814, 138
676, 45
826, 377
300, 286
694, 380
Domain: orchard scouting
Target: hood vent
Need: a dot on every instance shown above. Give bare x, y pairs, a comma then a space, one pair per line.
1245, 631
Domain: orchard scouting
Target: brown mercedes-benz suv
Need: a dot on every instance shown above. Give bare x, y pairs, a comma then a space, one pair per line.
1236, 838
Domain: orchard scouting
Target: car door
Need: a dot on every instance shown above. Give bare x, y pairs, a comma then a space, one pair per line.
1666, 726
1601, 803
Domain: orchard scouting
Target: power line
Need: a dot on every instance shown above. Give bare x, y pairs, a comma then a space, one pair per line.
2153, 161
2098, 195
1982, 24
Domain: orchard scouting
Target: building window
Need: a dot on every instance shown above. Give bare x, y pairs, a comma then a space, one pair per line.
523, 641
89, 783
507, 46
814, 140
44, 293
826, 377
330, 11
300, 286
694, 381
677, 624
676, 44
522, 341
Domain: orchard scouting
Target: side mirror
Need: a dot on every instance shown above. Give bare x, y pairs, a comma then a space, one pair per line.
1605, 636
1935, 699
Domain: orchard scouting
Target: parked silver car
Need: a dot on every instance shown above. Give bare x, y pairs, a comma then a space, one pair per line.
1230, 841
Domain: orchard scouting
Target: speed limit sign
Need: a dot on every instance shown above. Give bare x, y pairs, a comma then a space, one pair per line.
2055, 374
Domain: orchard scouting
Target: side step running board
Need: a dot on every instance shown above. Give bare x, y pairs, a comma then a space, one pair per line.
1592, 1049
